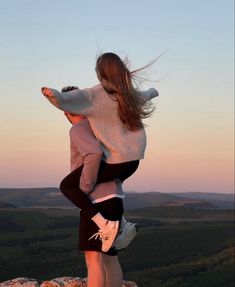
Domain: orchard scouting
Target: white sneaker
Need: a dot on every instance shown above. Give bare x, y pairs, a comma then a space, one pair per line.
107, 234
127, 233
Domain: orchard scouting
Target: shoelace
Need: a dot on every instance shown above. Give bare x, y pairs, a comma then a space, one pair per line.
99, 235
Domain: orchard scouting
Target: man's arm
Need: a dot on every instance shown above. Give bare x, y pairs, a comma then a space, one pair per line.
90, 172
87, 145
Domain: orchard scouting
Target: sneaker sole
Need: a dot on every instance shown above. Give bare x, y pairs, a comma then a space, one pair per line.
123, 243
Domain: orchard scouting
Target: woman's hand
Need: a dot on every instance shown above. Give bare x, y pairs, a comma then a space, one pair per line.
46, 92
49, 95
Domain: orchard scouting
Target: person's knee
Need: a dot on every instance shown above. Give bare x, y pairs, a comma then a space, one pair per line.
64, 185
71, 180
67, 183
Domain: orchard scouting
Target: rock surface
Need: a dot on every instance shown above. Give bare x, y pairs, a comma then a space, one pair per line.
57, 282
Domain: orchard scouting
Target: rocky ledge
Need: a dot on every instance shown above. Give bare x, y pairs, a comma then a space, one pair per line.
57, 282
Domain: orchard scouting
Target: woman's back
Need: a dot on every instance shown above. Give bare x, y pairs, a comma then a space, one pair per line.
117, 142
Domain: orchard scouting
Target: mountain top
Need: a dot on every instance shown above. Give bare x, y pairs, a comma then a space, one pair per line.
57, 282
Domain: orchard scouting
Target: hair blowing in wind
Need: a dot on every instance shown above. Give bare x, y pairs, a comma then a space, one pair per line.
117, 80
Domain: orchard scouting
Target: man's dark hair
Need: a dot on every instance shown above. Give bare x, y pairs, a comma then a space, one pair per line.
68, 89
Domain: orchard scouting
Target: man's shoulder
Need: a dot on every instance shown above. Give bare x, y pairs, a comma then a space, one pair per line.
81, 125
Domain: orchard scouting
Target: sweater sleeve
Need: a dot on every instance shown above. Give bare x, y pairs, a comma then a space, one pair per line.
149, 94
74, 102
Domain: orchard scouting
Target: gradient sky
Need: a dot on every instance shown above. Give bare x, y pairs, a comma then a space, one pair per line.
55, 43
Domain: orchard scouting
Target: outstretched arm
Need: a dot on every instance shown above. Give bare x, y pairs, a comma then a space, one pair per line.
149, 94
74, 102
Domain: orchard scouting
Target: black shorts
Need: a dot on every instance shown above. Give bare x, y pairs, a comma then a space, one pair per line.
111, 209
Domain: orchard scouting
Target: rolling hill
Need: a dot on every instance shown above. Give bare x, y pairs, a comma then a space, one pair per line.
6, 205
176, 246
52, 197
217, 199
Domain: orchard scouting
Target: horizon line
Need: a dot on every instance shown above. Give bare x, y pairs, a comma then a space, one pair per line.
131, 191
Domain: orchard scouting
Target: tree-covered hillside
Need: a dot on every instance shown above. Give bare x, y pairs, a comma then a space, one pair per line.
176, 246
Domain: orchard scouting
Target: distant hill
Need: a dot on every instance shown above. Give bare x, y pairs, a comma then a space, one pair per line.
52, 197
140, 200
6, 205
34, 197
220, 200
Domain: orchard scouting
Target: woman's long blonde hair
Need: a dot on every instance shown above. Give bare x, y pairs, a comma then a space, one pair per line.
117, 80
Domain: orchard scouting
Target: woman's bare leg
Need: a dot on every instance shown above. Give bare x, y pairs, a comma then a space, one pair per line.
113, 271
95, 269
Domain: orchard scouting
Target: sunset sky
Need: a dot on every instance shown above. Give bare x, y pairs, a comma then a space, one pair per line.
55, 43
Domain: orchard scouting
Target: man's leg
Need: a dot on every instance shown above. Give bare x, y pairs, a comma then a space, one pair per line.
95, 269
113, 271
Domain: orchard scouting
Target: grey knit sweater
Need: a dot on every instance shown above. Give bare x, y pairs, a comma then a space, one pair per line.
117, 143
